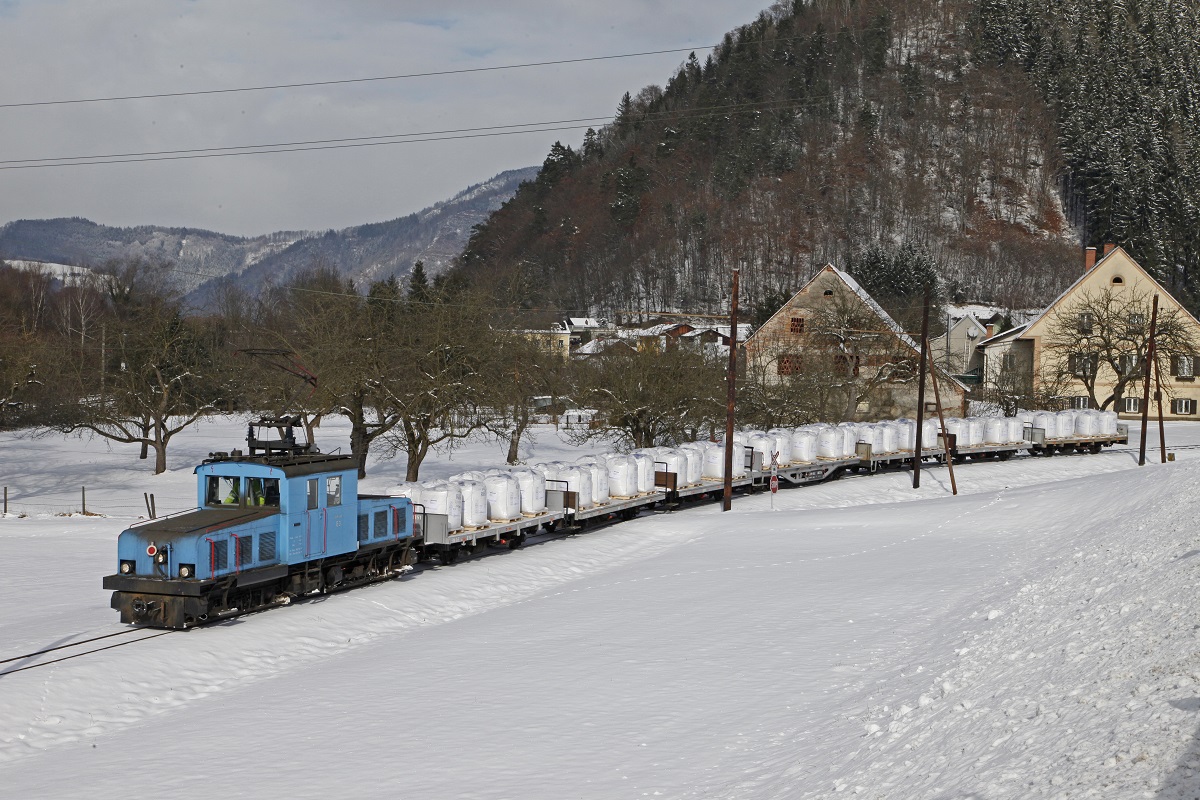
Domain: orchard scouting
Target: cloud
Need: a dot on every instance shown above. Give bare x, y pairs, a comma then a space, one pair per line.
56, 50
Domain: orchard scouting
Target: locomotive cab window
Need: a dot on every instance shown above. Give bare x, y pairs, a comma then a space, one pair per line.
263, 492
333, 490
222, 490
313, 483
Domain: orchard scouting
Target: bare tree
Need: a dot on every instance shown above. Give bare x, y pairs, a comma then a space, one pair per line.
164, 383
650, 397
524, 369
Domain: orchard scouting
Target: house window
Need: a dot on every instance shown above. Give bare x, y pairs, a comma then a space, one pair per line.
797, 325
1131, 405
844, 363
828, 293
1183, 405
1009, 361
789, 364
1081, 402
1117, 279
1085, 322
1183, 367
1082, 365
1137, 321
1130, 364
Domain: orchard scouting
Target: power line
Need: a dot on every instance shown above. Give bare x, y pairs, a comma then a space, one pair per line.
487, 131
283, 149
344, 81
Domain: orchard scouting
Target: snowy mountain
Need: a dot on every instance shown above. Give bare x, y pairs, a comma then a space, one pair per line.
366, 252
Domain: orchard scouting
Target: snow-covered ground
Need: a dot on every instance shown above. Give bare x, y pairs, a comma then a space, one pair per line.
1035, 636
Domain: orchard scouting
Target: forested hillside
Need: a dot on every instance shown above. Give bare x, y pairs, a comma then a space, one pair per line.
979, 140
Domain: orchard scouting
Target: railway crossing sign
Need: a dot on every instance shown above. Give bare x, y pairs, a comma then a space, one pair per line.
774, 476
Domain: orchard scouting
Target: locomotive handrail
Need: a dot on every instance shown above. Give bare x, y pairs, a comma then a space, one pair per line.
165, 516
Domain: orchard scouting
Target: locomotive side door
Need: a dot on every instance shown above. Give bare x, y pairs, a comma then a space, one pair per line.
315, 532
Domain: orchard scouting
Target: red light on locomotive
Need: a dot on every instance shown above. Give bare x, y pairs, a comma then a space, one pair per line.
151, 550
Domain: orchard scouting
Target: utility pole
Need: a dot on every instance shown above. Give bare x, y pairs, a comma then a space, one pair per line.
937, 399
921, 392
1162, 433
1150, 357
731, 396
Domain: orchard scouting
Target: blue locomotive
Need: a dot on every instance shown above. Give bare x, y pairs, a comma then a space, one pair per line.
279, 521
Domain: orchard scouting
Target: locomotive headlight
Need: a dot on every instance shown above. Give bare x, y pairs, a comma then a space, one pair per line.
187, 570
126, 567
160, 557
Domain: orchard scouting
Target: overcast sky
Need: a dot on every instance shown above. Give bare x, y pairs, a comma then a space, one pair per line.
71, 50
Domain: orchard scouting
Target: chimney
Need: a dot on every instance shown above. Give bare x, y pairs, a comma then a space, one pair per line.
1108, 248
1089, 259
990, 331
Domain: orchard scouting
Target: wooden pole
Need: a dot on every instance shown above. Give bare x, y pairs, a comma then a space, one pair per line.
731, 396
1150, 356
1162, 433
937, 399
917, 445
83, 495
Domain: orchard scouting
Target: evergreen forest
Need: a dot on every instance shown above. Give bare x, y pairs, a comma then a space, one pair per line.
978, 145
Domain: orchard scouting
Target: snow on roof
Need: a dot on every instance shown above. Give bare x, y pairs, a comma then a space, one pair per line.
875, 307
586, 322
1008, 334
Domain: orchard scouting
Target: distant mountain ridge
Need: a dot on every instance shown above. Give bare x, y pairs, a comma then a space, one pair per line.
435, 235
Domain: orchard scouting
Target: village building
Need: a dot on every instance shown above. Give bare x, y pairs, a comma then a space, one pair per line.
1087, 349
832, 339
555, 339
957, 350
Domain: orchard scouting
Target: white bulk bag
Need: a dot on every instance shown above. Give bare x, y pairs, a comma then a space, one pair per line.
531, 483
446, 499
474, 503
622, 476
645, 471
804, 446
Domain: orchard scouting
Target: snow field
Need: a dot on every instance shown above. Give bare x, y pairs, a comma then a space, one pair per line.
1031, 637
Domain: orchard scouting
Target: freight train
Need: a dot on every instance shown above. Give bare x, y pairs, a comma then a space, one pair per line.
281, 520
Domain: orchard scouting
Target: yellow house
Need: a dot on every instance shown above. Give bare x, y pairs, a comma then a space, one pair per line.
555, 340
1088, 348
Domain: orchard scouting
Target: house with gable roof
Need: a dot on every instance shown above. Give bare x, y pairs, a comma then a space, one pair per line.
832, 337
1087, 349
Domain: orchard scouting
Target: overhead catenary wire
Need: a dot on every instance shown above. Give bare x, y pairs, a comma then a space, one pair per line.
348, 81
377, 140
381, 78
